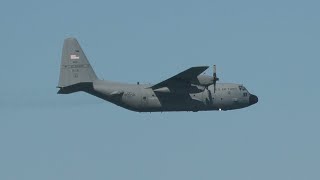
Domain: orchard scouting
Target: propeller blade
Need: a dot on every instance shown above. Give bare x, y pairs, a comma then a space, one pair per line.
215, 78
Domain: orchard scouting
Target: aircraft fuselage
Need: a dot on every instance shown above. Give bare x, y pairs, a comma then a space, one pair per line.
140, 98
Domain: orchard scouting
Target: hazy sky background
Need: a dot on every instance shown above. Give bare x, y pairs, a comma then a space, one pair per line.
272, 47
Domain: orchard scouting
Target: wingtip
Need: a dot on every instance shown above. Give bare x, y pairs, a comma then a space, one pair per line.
202, 67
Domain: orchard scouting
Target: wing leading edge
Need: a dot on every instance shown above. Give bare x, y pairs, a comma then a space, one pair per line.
184, 77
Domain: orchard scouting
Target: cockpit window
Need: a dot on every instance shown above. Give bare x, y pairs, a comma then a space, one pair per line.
242, 88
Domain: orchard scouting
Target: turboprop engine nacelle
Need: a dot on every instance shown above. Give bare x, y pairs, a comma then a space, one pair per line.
203, 80
182, 90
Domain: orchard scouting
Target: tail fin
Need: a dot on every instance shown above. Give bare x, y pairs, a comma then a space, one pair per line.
75, 69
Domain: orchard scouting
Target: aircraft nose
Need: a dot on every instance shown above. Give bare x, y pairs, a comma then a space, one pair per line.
253, 99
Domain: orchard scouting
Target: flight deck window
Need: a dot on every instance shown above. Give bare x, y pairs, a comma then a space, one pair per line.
245, 94
242, 88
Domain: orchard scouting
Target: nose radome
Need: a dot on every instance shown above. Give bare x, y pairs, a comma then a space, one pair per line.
253, 99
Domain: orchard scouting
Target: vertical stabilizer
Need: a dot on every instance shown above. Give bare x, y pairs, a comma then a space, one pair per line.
75, 68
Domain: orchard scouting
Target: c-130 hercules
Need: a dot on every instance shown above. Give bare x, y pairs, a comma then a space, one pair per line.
186, 91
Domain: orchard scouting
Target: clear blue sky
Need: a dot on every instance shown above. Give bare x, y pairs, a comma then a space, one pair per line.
272, 47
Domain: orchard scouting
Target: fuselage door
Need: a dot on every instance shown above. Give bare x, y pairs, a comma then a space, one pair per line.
144, 101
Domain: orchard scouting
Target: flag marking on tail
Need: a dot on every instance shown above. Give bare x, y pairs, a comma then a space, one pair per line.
74, 57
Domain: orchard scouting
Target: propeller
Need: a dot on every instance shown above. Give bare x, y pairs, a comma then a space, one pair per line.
215, 78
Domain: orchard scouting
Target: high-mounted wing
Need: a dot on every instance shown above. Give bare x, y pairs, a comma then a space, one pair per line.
184, 77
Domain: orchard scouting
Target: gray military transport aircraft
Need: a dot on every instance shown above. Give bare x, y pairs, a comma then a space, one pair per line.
186, 91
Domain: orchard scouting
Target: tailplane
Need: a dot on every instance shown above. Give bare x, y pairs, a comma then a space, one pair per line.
76, 73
